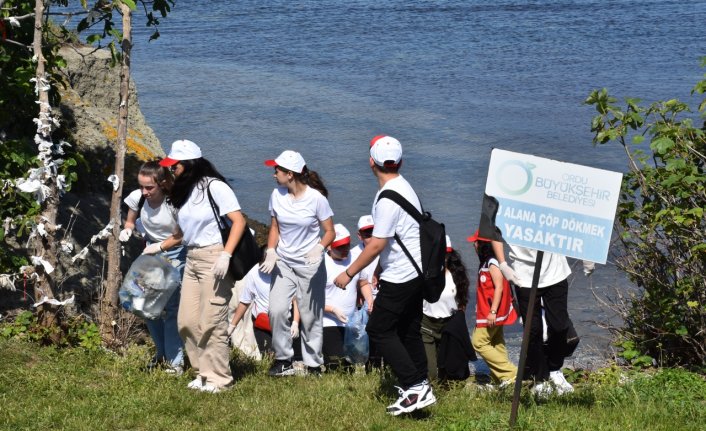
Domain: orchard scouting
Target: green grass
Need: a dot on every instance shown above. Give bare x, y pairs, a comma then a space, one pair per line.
72, 389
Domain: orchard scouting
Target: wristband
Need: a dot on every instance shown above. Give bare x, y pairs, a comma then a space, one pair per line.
346, 271
160, 248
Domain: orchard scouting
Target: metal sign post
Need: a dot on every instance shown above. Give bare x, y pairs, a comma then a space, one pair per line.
527, 321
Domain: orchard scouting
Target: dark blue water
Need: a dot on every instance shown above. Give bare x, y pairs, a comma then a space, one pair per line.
450, 79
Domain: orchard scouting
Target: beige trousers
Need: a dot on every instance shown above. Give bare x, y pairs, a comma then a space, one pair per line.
490, 345
203, 314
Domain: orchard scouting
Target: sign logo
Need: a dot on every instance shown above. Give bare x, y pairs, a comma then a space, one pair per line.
514, 177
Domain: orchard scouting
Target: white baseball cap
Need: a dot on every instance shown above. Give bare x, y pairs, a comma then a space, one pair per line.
386, 151
182, 149
366, 222
343, 237
289, 160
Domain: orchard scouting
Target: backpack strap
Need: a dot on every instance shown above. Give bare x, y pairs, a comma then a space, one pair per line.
222, 225
409, 209
403, 203
140, 204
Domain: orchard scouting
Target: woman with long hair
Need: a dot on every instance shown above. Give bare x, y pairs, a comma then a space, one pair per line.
206, 287
493, 311
162, 236
454, 298
300, 211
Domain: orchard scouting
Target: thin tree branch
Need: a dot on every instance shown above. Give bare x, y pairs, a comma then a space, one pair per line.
14, 42
18, 18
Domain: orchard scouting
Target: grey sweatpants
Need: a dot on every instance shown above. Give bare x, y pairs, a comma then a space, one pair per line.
308, 283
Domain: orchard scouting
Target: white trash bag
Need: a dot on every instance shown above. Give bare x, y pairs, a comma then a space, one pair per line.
148, 285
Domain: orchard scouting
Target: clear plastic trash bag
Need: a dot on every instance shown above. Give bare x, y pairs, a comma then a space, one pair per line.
355, 339
148, 285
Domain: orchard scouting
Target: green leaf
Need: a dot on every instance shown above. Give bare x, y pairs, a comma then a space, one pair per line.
675, 164
82, 25
692, 304
681, 331
638, 139
93, 39
662, 145
128, 3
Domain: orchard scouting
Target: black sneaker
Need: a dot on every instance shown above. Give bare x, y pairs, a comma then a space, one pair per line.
414, 398
281, 368
313, 371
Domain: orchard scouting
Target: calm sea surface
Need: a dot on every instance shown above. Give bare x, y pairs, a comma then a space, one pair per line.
451, 79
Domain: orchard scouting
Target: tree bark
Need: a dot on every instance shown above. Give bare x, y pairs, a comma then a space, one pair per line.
45, 247
109, 308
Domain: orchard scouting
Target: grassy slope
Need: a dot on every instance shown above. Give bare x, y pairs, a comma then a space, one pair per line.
42, 388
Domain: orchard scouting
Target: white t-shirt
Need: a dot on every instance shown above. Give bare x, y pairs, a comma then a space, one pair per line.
157, 223
256, 291
555, 268
344, 300
368, 272
390, 218
446, 304
196, 218
298, 221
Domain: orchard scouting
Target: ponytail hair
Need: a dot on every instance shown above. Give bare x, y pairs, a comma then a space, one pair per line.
485, 252
460, 277
312, 179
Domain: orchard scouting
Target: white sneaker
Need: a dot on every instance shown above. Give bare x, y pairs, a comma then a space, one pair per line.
210, 388
506, 384
197, 383
414, 398
175, 370
562, 386
543, 390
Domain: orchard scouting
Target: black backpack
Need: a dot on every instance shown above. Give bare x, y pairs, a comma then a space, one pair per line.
432, 238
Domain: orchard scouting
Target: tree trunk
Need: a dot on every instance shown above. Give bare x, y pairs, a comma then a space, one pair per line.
109, 308
45, 247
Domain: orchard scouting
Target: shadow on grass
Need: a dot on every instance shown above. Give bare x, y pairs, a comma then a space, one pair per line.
583, 397
242, 365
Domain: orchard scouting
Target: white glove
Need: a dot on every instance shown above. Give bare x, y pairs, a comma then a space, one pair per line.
509, 273
315, 255
339, 315
220, 267
154, 248
270, 259
125, 235
588, 267
231, 329
294, 332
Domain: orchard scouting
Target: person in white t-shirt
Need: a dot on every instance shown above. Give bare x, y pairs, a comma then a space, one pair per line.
368, 284
207, 285
454, 297
300, 211
256, 291
543, 361
368, 281
340, 303
158, 219
395, 321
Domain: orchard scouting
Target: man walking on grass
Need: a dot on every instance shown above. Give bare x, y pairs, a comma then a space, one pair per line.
394, 325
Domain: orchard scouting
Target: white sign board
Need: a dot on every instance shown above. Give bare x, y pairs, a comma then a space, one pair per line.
553, 206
